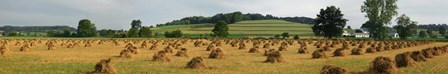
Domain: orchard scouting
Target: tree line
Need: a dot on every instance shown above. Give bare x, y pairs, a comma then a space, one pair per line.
86, 28
432, 26
34, 28
330, 22
234, 17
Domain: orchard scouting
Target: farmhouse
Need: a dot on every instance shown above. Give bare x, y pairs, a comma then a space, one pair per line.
356, 35
2, 33
366, 35
346, 34
393, 35
361, 35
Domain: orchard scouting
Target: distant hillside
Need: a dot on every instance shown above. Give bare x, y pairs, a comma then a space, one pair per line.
235, 17
34, 28
253, 28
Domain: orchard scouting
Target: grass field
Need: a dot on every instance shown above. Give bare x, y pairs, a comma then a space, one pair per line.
39, 60
257, 28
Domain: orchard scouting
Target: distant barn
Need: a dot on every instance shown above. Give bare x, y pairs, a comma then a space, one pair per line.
361, 35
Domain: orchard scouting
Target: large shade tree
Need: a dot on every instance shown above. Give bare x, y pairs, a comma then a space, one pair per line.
221, 29
405, 26
379, 13
86, 28
329, 23
135, 26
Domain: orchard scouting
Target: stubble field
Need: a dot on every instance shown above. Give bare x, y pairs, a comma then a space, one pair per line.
62, 60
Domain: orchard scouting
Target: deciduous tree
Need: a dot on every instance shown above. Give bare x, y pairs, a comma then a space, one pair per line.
145, 32
379, 13
329, 23
422, 34
405, 26
86, 28
221, 29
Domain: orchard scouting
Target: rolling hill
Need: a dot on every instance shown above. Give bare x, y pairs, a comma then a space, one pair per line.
254, 28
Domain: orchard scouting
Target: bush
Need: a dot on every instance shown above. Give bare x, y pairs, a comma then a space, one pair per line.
422, 34
14, 34
434, 36
174, 34
145, 32
296, 37
285, 35
277, 36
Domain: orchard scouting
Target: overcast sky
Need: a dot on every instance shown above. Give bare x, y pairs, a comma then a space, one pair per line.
118, 14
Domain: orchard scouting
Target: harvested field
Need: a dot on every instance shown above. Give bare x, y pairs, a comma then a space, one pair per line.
81, 59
